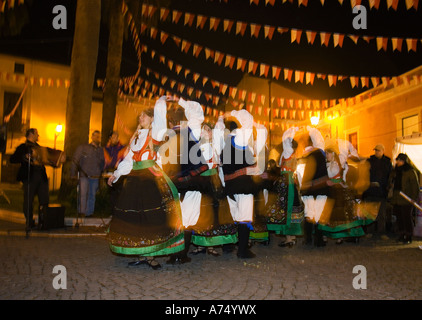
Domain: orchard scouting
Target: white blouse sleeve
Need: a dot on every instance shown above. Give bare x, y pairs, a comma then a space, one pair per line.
261, 138
125, 166
159, 125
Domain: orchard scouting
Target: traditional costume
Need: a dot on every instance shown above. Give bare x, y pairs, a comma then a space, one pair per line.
199, 186
314, 189
285, 210
343, 221
239, 166
147, 217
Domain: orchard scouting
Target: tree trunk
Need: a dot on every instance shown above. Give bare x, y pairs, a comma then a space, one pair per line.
114, 60
82, 76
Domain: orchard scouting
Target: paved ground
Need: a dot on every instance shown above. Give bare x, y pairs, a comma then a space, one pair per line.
93, 273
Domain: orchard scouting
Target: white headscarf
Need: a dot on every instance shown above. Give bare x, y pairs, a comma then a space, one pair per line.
193, 112
243, 133
195, 116
316, 137
288, 136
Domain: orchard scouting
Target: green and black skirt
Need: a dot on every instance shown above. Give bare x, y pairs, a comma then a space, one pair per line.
285, 211
215, 225
344, 220
147, 218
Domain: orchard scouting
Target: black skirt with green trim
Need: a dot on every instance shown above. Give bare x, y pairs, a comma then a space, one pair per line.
147, 217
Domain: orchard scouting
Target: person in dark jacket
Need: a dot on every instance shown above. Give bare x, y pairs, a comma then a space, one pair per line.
33, 175
405, 179
379, 173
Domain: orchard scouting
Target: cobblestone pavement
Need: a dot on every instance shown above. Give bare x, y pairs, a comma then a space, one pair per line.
92, 272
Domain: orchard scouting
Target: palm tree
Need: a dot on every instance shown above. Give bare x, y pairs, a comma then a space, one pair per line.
82, 76
114, 58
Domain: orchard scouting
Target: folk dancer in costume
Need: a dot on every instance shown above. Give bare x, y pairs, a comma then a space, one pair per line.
147, 219
215, 226
199, 185
239, 166
285, 208
343, 222
313, 174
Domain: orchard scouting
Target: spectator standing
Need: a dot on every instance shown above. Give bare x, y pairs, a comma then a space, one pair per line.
379, 174
405, 179
114, 152
88, 161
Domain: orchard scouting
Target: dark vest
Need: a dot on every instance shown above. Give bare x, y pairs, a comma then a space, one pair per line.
320, 174
234, 157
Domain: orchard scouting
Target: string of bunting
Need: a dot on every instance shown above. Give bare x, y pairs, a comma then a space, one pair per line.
261, 69
268, 31
373, 4
151, 90
35, 81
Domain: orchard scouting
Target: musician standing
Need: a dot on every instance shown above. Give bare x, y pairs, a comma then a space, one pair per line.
32, 174
88, 160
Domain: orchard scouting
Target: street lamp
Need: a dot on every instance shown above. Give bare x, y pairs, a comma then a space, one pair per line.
314, 120
59, 129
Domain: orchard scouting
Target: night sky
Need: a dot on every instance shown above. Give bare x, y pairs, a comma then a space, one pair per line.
39, 40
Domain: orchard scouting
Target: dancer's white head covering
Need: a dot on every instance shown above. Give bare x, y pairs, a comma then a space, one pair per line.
244, 117
193, 112
316, 137
243, 133
288, 136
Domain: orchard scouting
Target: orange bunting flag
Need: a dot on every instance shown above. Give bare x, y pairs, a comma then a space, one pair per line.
176, 16
288, 74
299, 76
325, 38
196, 50
374, 4
189, 19
397, 43
227, 25
255, 29
311, 36
382, 43
276, 72
240, 28
163, 37
295, 35
269, 32
310, 76
200, 21
214, 22
264, 69
338, 39
164, 12
411, 44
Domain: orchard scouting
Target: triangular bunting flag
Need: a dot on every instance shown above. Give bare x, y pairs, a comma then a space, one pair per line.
227, 25
311, 36
200, 21
269, 32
